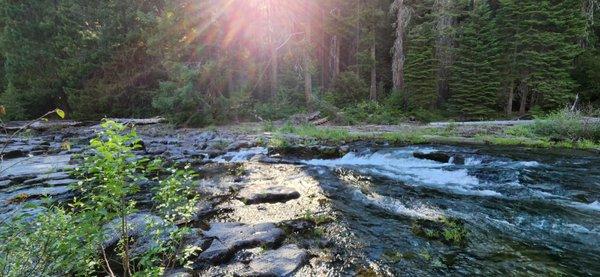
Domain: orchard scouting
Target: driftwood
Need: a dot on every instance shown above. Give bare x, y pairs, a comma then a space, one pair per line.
139, 121
320, 121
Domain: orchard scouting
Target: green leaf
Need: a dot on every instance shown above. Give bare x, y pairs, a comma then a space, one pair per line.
60, 113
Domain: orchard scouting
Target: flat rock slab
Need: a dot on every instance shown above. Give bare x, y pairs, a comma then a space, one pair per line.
228, 238
39, 165
281, 262
148, 231
258, 194
33, 193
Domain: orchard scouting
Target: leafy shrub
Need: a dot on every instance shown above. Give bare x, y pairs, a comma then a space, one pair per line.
176, 195
49, 244
347, 89
372, 113
279, 108
427, 116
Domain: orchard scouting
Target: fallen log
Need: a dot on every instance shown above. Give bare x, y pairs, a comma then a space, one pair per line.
39, 125
139, 121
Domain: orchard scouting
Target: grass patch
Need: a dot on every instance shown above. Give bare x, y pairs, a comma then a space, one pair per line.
311, 131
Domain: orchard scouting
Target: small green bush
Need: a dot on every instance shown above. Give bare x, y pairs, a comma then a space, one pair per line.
347, 89
281, 107
565, 125
371, 113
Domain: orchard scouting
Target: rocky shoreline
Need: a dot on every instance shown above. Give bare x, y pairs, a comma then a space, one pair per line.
256, 218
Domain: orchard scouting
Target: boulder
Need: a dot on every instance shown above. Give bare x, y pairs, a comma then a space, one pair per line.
228, 238
258, 194
433, 156
281, 262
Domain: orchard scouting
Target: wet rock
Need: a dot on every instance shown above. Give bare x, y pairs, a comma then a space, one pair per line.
48, 177
434, 156
217, 145
177, 273
228, 238
281, 262
258, 194
262, 158
238, 145
34, 166
34, 193
299, 225
458, 160
147, 231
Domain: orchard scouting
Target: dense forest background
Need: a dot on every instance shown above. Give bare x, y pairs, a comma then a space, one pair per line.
203, 62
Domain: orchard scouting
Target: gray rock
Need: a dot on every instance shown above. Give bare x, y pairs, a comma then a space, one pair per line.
267, 194
62, 182
281, 262
35, 193
46, 177
147, 231
238, 145
228, 238
177, 273
34, 165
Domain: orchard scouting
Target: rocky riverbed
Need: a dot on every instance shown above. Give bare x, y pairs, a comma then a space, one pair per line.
350, 209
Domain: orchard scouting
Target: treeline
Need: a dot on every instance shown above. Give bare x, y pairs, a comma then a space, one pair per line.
215, 61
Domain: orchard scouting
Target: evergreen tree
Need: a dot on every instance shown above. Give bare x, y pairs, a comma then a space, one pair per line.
420, 65
475, 74
540, 42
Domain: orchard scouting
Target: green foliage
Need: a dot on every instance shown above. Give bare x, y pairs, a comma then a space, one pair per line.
565, 125
67, 241
587, 75
349, 88
448, 230
475, 79
420, 66
372, 113
311, 131
176, 196
98, 59
47, 244
279, 108
427, 115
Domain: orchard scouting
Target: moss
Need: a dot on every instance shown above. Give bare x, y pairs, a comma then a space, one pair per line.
449, 231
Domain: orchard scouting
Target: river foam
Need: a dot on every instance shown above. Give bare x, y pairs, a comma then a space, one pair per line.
399, 164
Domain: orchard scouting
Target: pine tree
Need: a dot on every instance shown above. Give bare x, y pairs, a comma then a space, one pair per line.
475, 74
540, 41
420, 65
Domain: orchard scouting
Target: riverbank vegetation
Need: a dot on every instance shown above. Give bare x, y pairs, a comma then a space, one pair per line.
359, 62
562, 129
93, 234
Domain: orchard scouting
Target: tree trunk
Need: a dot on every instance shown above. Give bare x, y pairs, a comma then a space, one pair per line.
307, 64
402, 19
443, 48
373, 89
511, 99
335, 51
273, 83
357, 41
524, 95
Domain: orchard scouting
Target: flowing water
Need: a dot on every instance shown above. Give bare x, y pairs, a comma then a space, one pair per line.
526, 211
